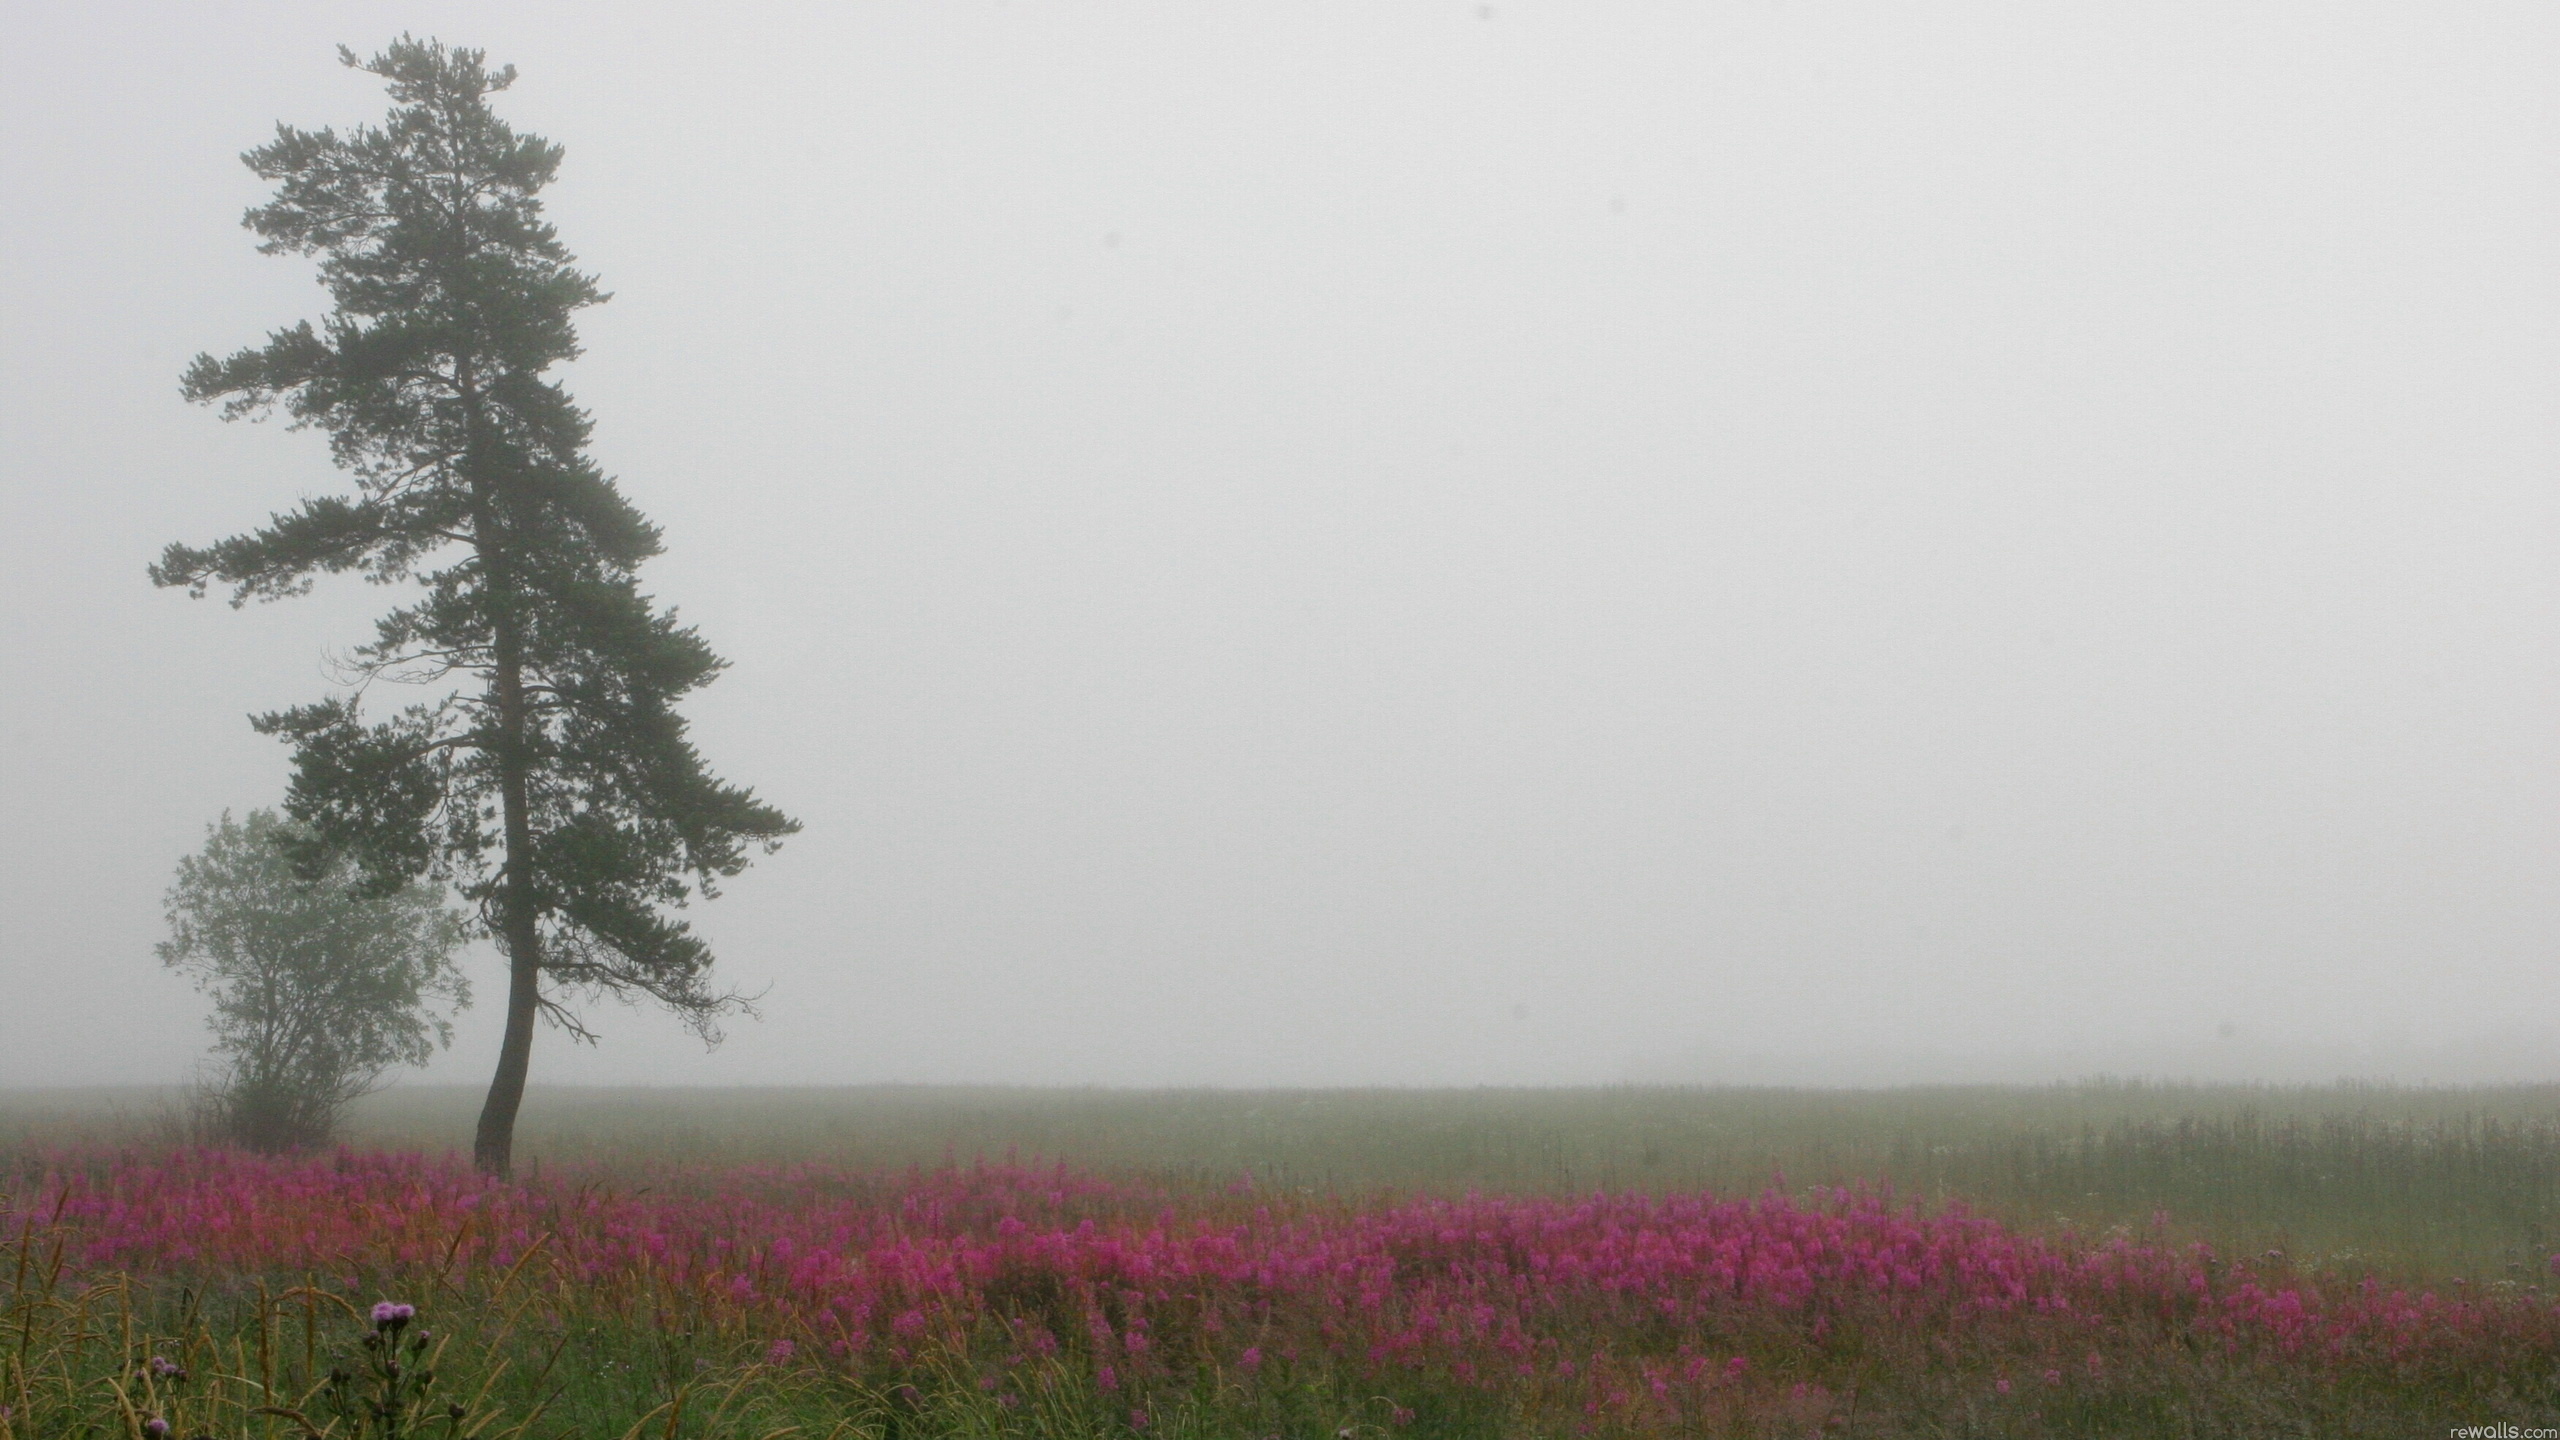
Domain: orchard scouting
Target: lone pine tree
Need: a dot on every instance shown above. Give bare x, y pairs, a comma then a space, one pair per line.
551, 783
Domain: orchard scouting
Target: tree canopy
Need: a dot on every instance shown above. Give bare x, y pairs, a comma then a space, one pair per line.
317, 991
551, 780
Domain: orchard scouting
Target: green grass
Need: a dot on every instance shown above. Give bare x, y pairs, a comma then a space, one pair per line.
527, 1366
2408, 1183
2403, 1182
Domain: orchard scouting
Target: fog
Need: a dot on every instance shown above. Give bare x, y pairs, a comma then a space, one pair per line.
1310, 544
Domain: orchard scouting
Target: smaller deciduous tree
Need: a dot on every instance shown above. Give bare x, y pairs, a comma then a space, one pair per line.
319, 989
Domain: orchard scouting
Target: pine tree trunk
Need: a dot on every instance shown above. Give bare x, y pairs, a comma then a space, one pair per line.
493, 1147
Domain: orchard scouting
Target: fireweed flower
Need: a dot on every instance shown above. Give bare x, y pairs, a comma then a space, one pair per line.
1495, 1292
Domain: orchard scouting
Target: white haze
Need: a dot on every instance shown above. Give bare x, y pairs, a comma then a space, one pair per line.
1420, 543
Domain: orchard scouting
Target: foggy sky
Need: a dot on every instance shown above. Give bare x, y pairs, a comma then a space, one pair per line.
1418, 543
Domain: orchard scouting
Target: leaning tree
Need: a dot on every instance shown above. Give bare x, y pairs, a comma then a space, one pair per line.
549, 778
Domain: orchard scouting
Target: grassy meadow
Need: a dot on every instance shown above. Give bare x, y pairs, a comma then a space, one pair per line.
2415, 1183
2099, 1258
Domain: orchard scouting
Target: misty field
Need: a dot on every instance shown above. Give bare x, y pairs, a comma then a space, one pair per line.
2073, 1260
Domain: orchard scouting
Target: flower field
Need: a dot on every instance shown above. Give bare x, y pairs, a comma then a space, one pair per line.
993, 1300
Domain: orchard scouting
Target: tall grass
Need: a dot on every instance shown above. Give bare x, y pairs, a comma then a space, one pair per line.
226, 1294
2404, 1182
